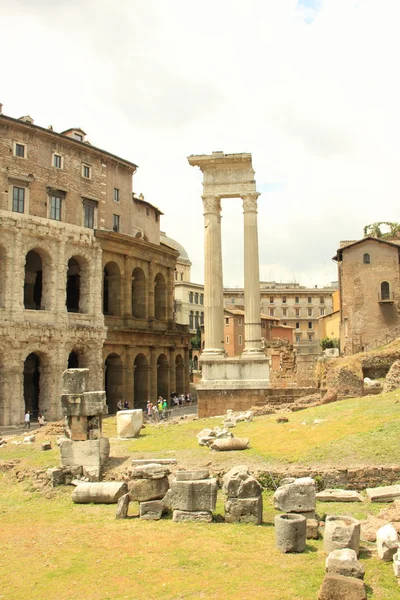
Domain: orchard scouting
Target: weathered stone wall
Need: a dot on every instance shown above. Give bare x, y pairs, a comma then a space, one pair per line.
216, 402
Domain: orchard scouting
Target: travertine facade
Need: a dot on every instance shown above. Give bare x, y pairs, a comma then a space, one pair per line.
369, 279
74, 243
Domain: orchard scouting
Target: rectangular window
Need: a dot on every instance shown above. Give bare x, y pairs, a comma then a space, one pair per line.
284, 299
18, 199
298, 337
297, 325
19, 150
309, 300
116, 195
310, 337
309, 324
196, 298
271, 299
322, 300
284, 312
271, 312
226, 321
116, 222
239, 321
297, 300
201, 299
55, 208
156, 216
78, 136
57, 161
147, 211
297, 312
227, 339
86, 171
263, 324
309, 312
322, 312
89, 213
240, 340
191, 297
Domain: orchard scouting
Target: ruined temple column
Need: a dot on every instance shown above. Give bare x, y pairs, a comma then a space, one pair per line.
127, 288
150, 292
129, 377
252, 301
213, 283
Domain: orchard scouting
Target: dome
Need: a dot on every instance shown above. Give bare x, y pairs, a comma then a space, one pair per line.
167, 241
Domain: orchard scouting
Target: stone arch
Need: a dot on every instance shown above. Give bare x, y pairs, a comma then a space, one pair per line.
73, 360
160, 297
2, 276
179, 374
162, 376
78, 285
141, 381
138, 293
38, 388
37, 280
113, 381
112, 289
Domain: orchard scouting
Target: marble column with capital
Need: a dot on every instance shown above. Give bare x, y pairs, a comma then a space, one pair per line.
213, 281
252, 300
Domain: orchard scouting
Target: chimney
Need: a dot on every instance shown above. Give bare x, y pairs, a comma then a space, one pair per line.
1, 108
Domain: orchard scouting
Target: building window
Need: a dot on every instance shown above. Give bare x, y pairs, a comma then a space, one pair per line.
310, 337
116, 222
322, 300
271, 312
55, 208
196, 298
385, 290
202, 318
297, 325
239, 321
297, 300
271, 299
367, 259
240, 340
20, 150
176, 275
86, 171
196, 320
297, 312
147, 211
227, 321
284, 312
201, 298
18, 204
78, 136
191, 320
156, 216
309, 300
89, 213
191, 297
322, 312
298, 337
181, 276
309, 324
263, 324
309, 312
232, 300
57, 161
284, 323
116, 195
227, 339
284, 299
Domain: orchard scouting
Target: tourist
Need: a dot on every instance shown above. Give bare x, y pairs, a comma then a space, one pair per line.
27, 419
165, 408
149, 409
126, 405
41, 420
155, 414
119, 405
159, 404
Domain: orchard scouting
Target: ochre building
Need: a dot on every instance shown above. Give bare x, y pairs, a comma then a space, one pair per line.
84, 281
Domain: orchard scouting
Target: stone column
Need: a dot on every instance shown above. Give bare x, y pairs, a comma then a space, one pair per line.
150, 292
186, 373
213, 283
252, 318
129, 377
153, 374
127, 288
170, 294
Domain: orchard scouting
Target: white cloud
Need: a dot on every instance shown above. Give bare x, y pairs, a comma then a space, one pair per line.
313, 95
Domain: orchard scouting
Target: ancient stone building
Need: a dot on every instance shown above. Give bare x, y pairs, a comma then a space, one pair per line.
369, 280
75, 244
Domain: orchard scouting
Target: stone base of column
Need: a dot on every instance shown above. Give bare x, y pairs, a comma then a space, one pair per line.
213, 353
212, 402
251, 353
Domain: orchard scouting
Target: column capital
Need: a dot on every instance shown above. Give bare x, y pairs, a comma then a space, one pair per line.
250, 202
212, 204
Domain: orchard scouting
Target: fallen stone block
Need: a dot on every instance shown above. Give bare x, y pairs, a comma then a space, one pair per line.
385, 493
233, 443
88, 453
158, 461
344, 562
194, 495
290, 532
341, 532
129, 423
29, 439
244, 510
238, 482
150, 471
46, 446
152, 510
338, 587
92, 473
297, 497
142, 490
387, 542
192, 475
75, 381
369, 527
312, 529
123, 507
391, 513
106, 492
198, 516
56, 476
339, 496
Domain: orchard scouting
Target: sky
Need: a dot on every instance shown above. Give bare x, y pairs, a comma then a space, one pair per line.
309, 87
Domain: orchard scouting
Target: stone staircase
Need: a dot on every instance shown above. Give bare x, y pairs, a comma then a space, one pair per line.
384, 340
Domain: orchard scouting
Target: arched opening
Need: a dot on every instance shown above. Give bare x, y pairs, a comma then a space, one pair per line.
73, 360
366, 259
160, 298
111, 289
113, 381
195, 363
385, 290
162, 376
33, 281
32, 384
179, 374
73, 286
141, 386
2, 275
138, 293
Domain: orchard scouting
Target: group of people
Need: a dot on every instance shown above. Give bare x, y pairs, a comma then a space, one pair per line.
27, 420
157, 411
181, 399
123, 405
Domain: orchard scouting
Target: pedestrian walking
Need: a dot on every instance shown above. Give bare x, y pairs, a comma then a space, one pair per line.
27, 420
41, 420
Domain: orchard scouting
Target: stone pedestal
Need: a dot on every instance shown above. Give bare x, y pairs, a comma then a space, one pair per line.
129, 423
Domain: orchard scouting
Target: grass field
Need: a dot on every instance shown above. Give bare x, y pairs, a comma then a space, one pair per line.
52, 549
